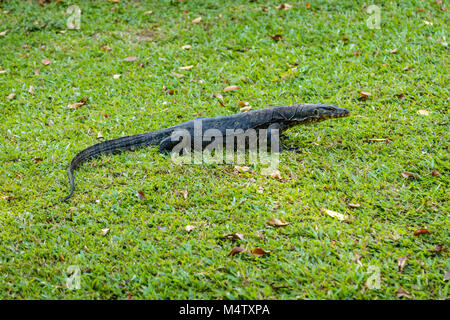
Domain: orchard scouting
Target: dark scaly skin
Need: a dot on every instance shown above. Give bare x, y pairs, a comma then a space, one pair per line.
280, 117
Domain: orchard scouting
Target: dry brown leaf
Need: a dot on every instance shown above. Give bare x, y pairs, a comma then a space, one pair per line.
36, 160
76, 105
408, 175
234, 236
184, 193
259, 252
106, 48
189, 228
401, 263
236, 250
99, 135
186, 67
406, 69
354, 205
380, 140
334, 214
403, 293
105, 231
140, 195
243, 103
129, 59
218, 96
277, 37
31, 90
277, 223
421, 231
178, 75
308, 6
196, 20
356, 52
276, 174
423, 112
245, 109
171, 91
11, 96
365, 94
186, 47
393, 51
46, 62
239, 168
284, 6
436, 173
36, 72
231, 88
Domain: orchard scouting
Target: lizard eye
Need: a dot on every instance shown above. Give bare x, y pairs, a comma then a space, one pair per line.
316, 112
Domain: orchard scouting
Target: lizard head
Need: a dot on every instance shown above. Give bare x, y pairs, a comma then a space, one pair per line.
307, 113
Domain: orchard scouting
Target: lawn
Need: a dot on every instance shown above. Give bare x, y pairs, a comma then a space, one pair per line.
385, 168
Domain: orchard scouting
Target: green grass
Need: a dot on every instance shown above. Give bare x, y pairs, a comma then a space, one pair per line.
148, 253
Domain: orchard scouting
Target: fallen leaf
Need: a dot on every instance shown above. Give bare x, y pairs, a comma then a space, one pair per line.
178, 75
387, 140
308, 6
243, 104
11, 96
141, 195
393, 51
277, 37
105, 231
186, 67
197, 20
129, 59
171, 91
399, 95
231, 88
277, 223
436, 173
408, 175
46, 62
259, 252
106, 48
401, 263
189, 228
428, 22
284, 6
184, 193
421, 231
76, 105
116, 76
186, 47
356, 52
276, 174
63, 31
234, 236
36, 160
236, 250
36, 72
148, 12
440, 248
2, 71
239, 168
218, 96
354, 205
420, 10
31, 90
3, 33
423, 112
99, 135
335, 214
357, 258
403, 293
245, 109
365, 94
